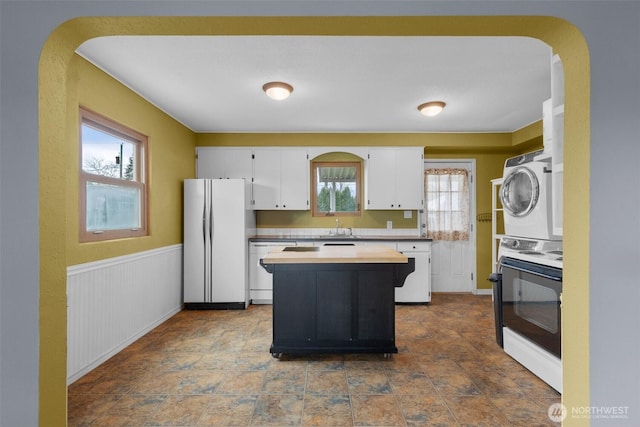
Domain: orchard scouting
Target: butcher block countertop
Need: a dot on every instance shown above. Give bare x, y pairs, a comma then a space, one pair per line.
333, 255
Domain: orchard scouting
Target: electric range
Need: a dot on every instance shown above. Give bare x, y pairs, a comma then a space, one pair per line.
544, 252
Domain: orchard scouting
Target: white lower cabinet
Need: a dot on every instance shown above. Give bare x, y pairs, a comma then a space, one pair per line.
260, 282
417, 285
416, 289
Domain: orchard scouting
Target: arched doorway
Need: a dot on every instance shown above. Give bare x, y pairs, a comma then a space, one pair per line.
57, 94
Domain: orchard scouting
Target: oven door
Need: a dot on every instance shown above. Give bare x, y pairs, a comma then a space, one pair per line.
531, 302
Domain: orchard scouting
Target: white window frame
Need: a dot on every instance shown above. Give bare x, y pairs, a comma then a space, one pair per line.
139, 182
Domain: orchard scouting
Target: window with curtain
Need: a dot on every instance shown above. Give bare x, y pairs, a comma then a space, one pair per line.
447, 196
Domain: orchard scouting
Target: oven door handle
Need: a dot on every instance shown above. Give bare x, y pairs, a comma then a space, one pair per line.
518, 266
537, 273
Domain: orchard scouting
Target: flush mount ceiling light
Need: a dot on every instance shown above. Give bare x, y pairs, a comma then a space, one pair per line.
431, 108
277, 90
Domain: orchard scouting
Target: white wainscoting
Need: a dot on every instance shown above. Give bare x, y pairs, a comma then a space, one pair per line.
113, 302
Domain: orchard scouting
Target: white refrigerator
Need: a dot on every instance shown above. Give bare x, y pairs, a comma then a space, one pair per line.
217, 223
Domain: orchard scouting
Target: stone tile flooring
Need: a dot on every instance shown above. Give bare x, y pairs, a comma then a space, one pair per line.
213, 368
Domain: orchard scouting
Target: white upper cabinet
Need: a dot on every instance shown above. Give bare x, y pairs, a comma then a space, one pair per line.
394, 178
280, 179
224, 163
410, 178
294, 179
280, 175
380, 181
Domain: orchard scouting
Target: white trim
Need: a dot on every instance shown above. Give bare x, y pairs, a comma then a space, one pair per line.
73, 270
479, 291
361, 151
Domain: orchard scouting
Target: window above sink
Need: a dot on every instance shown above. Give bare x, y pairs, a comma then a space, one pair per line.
336, 188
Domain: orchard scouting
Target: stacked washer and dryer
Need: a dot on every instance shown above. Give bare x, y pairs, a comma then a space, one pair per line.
528, 310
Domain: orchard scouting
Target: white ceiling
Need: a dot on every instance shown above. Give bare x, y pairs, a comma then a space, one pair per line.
341, 84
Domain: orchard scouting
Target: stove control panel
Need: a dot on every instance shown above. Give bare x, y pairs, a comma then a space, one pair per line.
519, 244
545, 252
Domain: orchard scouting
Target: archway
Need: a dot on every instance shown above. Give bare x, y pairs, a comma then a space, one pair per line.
57, 106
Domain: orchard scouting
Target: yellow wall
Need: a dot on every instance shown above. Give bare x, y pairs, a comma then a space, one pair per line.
58, 129
170, 161
440, 141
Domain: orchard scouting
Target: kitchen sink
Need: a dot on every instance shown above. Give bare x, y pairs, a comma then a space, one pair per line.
301, 249
338, 236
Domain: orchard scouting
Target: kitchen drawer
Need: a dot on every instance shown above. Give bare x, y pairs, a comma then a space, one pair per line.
414, 246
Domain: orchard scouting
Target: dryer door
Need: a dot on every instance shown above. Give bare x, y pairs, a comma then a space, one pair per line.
520, 191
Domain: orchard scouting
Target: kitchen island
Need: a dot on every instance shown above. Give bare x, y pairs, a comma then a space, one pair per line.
335, 299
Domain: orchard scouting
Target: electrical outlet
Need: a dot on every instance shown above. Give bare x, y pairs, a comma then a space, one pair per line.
408, 214
389, 225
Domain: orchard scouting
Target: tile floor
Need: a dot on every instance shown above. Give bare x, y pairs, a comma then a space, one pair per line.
213, 368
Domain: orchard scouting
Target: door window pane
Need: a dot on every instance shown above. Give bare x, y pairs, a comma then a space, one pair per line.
447, 209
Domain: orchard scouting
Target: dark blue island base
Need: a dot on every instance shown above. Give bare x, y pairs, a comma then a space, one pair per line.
335, 307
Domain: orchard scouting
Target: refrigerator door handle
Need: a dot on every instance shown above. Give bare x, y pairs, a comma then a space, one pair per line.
204, 243
204, 222
209, 285
211, 225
